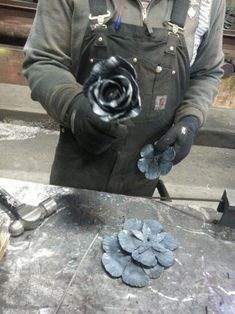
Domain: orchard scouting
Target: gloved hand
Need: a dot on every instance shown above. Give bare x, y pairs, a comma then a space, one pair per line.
180, 137
93, 135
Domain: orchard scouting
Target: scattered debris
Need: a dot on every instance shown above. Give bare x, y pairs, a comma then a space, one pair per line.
9, 132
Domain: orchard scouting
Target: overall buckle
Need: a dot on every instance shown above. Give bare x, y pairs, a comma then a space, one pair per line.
100, 19
175, 29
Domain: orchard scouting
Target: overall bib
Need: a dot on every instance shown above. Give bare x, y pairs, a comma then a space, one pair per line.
160, 58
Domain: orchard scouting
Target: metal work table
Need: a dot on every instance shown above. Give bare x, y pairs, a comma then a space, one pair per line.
57, 267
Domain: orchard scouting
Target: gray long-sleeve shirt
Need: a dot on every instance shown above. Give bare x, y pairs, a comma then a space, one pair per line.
53, 48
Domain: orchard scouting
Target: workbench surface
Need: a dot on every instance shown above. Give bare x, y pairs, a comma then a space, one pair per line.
57, 267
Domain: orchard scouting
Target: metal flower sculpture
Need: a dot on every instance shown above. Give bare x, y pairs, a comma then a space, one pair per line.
141, 251
112, 90
154, 164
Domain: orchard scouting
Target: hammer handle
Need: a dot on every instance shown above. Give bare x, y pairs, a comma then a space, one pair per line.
9, 202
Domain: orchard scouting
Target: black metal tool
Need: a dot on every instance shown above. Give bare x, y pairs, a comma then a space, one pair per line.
226, 203
227, 207
25, 217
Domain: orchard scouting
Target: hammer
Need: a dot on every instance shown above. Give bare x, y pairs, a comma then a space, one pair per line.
25, 217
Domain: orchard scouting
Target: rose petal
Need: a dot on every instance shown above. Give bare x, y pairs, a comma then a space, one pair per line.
154, 272
127, 241
146, 258
97, 110
111, 245
127, 66
165, 259
115, 264
123, 101
109, 91
169, 242
134, 275
134, 112
132, 223
154, 225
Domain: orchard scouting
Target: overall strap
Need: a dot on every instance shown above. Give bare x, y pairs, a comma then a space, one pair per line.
98, 7
99, 14
179, 12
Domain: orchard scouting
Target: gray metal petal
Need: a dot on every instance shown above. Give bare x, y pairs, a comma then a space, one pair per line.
169, 242
135, 276
133, 224
147, 151
138, 234
160, 236
168, 154
154, 272
146, 230
134, 112
111, 245
97, 110
122, 63
165, 259
158, 247
153, 171
115, 264
127, 241
146, 258
154, 225
165, 167
143, 165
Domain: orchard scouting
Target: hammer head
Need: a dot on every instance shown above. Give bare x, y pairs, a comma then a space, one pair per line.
30, 217
227, 207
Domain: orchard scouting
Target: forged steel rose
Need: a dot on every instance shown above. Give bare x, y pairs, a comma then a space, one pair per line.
154, 164
141, 251
112, 90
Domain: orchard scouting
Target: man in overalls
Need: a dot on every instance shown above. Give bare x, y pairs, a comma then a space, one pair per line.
175, 47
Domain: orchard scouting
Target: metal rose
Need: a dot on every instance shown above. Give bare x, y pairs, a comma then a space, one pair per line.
154, 164
141, 251
112, 90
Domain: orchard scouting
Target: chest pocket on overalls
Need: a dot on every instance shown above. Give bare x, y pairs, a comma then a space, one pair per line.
171, 76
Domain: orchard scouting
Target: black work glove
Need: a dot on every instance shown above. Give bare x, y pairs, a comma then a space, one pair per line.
181, 137
93, 135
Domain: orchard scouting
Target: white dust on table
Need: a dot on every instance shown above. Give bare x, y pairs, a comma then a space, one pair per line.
31, 193
9, 132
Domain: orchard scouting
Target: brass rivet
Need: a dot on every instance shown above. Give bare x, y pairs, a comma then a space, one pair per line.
158, 69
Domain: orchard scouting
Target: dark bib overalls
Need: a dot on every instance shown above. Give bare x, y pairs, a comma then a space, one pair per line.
162, 64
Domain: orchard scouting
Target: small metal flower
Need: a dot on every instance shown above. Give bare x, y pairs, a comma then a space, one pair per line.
139, 252
112, 90
154, 164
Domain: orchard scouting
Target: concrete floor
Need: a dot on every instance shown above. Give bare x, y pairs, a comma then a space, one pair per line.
27, 154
